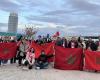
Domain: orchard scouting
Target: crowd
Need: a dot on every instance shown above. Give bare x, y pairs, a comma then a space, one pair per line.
26, 55
79, 43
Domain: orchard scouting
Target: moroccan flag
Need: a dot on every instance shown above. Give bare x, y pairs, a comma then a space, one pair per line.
68, 58
48, 48
7, 50
92, 60
56, 34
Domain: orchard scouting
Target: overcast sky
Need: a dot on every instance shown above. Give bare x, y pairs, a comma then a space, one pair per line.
77, 17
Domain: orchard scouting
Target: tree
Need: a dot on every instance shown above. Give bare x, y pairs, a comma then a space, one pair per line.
30, 32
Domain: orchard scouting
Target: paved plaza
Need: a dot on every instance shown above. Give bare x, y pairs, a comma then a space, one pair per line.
11, 72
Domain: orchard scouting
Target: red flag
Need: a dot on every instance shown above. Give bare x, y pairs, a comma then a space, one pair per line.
68, 58
7, 50
48, 48
56, 34
92, 60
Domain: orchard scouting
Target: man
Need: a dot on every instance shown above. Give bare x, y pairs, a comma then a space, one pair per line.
73, 43
42, 60
91, 45
39, 40
98, 46
59, 41
64, 42
13, 60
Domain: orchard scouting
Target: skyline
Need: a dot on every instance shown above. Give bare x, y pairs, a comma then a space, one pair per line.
78, 17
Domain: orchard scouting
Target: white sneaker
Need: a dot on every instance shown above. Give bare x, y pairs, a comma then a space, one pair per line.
25, 68
37, 68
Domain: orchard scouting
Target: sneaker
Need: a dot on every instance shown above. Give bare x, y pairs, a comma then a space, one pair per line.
37, 68
25, 68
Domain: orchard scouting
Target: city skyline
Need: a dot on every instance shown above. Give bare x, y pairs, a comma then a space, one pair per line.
80, 17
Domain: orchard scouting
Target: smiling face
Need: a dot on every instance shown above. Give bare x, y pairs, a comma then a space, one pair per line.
32, 50
73, 39
42, 52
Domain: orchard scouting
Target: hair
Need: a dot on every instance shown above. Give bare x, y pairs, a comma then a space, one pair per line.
42, 50
19, 38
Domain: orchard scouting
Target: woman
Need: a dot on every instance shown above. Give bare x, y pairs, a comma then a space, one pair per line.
30, 59
98, 43
23, 48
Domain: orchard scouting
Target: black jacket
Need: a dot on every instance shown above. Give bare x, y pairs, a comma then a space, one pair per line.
43, 58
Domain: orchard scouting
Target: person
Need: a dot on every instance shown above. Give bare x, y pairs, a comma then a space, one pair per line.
0, 62
13, 60
23, 48
39, 40
42, 60
58, 41
30, 59
48, 38
64, 42
91, 45
73, 43
98, 44
6, 40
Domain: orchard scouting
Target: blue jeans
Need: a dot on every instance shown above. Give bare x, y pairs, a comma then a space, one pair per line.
3, 61
42, 65
0, 62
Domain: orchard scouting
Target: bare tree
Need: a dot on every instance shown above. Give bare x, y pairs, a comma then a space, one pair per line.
30, 32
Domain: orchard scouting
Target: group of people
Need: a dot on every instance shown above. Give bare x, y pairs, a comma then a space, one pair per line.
79, 43
26, 55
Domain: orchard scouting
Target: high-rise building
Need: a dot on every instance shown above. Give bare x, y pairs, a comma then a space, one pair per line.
13, 23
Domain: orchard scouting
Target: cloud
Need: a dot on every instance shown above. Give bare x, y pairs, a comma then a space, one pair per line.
85, 5
3, 24
9, 6
69, 16
3, 27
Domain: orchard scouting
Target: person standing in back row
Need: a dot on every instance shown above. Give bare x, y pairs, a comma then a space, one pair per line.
23, 48
73, 43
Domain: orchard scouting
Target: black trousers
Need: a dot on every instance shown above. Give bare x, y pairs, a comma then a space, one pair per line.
13, 60
0, 62
20, 58
26, 63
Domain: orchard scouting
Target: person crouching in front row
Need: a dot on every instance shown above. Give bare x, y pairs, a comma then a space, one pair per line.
42, 60
29, 60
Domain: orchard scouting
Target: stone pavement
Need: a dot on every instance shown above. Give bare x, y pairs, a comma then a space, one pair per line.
11, 72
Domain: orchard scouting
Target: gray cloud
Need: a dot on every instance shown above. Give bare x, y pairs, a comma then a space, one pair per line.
85, 5
3, 27
44, 19
59, 12
3, 24
8, 5
64, 12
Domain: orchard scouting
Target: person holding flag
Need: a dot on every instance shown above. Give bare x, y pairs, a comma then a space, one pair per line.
23, 48
73, 43
42, 60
